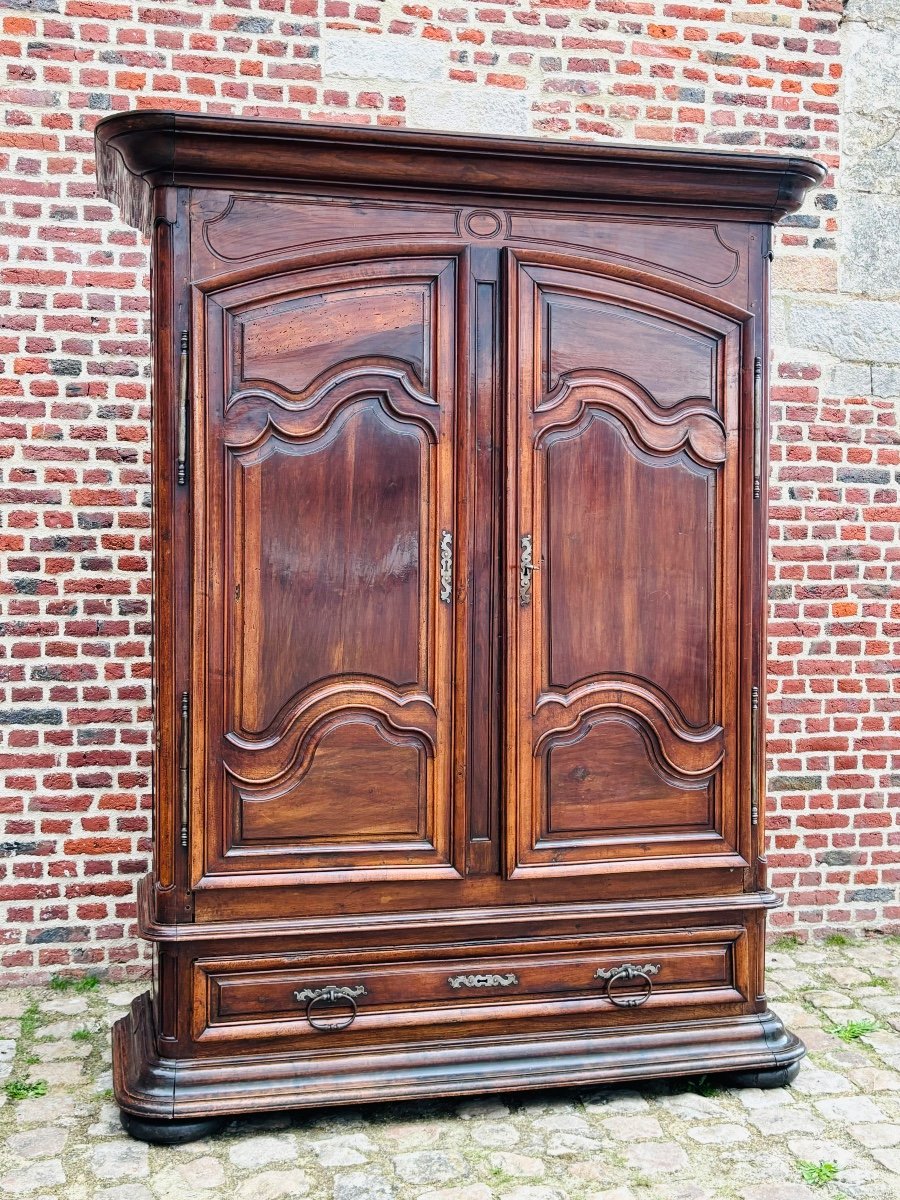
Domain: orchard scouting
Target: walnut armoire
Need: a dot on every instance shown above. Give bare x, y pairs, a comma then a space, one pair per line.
459, 494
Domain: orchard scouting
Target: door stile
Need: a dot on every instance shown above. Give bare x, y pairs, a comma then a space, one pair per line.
206, 365
517, 476
479, 657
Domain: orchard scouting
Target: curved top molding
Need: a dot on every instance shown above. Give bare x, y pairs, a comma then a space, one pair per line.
138, 151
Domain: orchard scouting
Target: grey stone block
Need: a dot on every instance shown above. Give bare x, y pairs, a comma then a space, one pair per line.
467, 109
869, 264
837, 858
873, 12
404, 60
851, 379
855, 330
886, 381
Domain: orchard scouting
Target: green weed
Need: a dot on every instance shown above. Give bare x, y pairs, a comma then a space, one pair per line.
787, 941
30, 1020
704, 1086
818, 1174
837, 939
67, 983
852, 1031
22, 1089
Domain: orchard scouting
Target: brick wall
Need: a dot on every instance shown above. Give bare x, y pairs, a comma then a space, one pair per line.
74, 670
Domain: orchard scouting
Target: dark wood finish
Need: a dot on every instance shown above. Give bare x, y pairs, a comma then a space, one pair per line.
626, 475
458, 614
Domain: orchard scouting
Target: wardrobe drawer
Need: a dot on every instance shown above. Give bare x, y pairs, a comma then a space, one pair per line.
503, 981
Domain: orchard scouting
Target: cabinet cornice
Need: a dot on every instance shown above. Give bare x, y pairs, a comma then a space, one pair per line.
137, 151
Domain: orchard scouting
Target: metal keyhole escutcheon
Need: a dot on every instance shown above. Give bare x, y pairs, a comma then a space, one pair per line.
527, 566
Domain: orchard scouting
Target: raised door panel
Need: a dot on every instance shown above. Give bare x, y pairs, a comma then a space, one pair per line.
627, 653
325, 447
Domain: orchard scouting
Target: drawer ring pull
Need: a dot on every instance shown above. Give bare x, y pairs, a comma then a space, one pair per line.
629, 971
329, 997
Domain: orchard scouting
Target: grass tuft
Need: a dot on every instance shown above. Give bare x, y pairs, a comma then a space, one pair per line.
23, 1089
837, 939
852, 1031
30, 1020
818, 1174
68, 983
787, 941
704, 1085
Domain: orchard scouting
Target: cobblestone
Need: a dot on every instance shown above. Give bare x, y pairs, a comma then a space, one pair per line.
676, 1140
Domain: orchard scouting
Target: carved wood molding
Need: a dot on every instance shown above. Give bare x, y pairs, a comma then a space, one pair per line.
692, 424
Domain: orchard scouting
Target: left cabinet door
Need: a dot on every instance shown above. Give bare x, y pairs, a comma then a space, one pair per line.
325, 520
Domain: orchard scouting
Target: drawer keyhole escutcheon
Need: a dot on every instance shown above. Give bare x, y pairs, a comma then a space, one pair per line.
480, 981
320, 1000
615, 975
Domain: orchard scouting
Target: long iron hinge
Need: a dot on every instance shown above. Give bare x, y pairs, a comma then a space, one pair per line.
757, 428
754, 752
184, 765
184, 371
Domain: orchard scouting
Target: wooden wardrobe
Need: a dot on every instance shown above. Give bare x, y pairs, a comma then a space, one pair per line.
459, 495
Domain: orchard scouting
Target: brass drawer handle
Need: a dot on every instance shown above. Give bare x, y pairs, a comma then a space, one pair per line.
329, 997
480, 981
629, 971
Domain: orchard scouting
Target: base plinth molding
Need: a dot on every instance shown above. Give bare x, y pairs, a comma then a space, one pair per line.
752, 1051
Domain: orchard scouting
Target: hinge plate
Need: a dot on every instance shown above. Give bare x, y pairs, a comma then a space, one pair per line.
184, 766
754, 754
184, 372
757, 428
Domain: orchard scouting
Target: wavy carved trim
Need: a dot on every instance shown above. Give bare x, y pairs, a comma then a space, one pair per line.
249, 424
352, 368
685, 780
295, 745
686, 751
276, 785
691, 424
328, 692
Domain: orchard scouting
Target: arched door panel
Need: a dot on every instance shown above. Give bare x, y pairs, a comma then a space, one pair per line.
623, 695
326, 453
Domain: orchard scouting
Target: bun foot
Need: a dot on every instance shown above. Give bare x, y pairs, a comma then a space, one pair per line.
169, 1133
770, 1077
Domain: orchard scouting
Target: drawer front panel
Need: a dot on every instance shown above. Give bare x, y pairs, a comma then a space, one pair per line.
277, 995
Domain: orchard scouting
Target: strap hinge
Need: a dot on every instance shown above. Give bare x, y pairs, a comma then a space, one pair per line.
184, 766
757, 428
184, 371
754, 753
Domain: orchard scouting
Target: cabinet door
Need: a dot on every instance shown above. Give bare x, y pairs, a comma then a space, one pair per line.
626, 666
325, 471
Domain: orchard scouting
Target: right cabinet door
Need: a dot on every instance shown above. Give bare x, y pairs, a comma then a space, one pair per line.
624, 575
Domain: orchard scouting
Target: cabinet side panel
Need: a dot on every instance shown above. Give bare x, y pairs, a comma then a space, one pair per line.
170, 272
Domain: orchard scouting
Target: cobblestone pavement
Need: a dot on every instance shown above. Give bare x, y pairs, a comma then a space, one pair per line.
839, 1125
